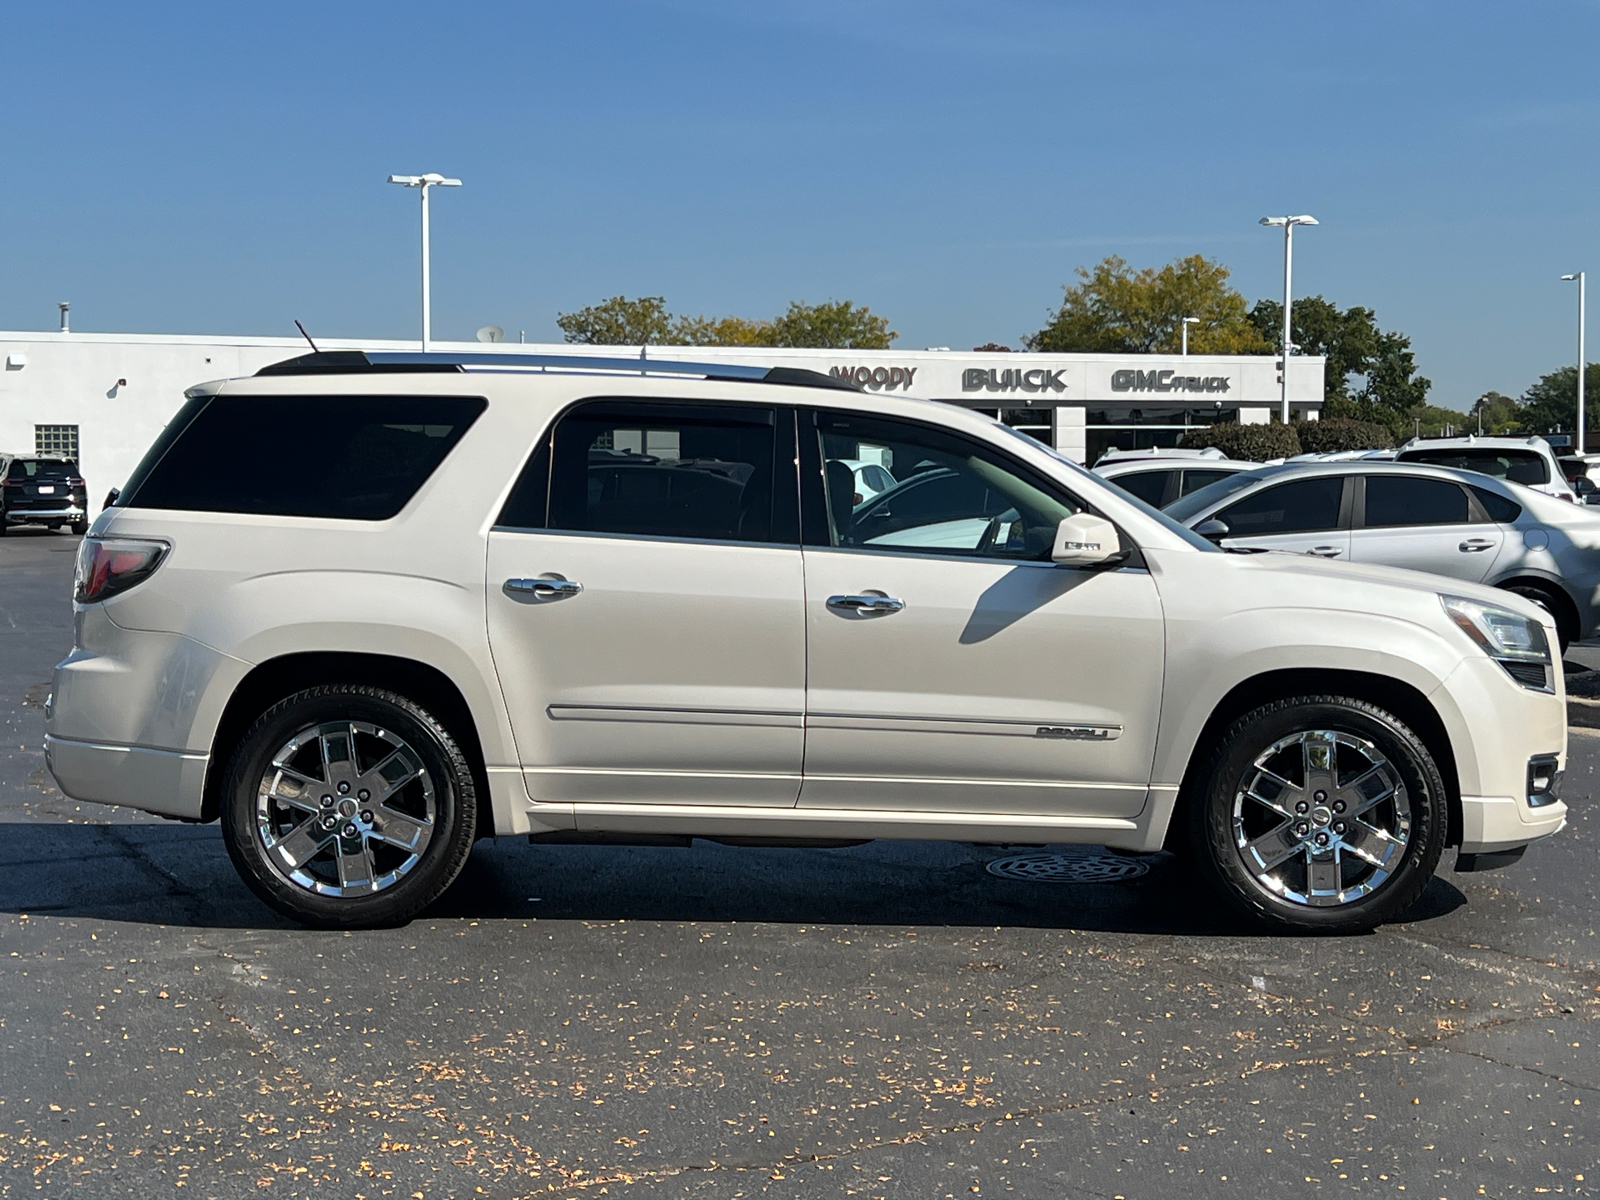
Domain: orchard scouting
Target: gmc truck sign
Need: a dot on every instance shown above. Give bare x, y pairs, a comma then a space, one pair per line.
1166, 381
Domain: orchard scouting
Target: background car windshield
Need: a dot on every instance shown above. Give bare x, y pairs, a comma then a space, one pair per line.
1519, 466
1194, 503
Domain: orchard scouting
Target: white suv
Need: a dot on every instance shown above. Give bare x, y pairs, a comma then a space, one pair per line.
1529, 461
365, 608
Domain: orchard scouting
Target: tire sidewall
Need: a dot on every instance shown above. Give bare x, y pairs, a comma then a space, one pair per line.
1212, 829
454, 801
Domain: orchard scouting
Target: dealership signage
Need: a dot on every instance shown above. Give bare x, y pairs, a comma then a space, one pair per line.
976, 379
878, 379
1166, 381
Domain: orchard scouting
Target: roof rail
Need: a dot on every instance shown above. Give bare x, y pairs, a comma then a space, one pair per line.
353, 362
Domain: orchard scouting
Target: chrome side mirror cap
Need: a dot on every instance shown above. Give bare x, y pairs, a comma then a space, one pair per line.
1086, 540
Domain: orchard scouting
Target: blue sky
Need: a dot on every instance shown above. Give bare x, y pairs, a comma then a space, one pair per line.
219, 168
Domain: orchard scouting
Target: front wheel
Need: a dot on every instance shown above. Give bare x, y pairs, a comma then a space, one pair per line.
348, 806
1320, 813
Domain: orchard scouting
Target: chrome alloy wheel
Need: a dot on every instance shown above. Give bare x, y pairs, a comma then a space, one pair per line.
1321, 818
345, 808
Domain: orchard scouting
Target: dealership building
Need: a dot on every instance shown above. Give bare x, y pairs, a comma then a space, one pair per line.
102, 398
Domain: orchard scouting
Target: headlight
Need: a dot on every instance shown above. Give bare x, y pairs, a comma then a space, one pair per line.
1516, 642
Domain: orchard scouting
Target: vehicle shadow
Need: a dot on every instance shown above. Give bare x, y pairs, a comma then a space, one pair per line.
181, 875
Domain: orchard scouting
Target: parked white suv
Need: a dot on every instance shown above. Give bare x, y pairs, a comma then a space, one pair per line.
364, 608
1529, 461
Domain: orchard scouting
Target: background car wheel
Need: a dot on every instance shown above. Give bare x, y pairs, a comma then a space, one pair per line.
79, 527
348, 806
1320, 813
1551, 605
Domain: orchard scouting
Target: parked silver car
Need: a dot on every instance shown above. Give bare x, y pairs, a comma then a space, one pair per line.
1447, 522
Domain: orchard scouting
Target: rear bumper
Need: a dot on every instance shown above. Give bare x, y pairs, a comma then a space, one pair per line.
1490, 824
168, 782
32, 516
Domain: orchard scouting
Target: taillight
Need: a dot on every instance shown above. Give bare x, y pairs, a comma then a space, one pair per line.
108, 566
75, 481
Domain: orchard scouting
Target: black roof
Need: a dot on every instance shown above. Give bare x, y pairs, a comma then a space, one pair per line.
358, 362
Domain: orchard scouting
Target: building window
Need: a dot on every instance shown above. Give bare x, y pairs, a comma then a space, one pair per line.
1144, 426
1035, 422
60, 441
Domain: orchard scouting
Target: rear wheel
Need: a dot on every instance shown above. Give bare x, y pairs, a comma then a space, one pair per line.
79, 527
1320, 813
348, 806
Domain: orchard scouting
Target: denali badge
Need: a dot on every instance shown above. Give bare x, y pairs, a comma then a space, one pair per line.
1080, 733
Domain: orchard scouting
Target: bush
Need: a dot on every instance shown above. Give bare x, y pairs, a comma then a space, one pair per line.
1247, 443
1342, 433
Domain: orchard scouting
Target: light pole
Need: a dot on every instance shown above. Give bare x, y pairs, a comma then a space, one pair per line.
1288, 224
1581, 414
1187, 321
423, 183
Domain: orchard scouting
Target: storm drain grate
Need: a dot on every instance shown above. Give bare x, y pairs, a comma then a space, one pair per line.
1085, 866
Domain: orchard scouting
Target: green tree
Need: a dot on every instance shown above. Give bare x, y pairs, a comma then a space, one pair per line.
721, 331
619, 321
838, 325
1371, 375
1552, 403
1501, 414
1114, 309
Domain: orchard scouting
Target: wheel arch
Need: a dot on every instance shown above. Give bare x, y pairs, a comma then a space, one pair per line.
1568, 621
1392, 695
277, 678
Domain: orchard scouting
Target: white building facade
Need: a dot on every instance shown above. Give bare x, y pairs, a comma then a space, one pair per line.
103, 398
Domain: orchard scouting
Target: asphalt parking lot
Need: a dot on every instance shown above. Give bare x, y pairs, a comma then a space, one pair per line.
887, 1020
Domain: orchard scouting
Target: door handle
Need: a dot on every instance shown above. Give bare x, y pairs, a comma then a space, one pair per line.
1326, 551
546, 587
1473, 545
867, 605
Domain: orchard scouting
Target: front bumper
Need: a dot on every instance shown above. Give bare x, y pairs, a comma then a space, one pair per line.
168, 782
1491, 824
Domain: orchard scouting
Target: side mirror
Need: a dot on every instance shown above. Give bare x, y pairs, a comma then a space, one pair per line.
111, 498
1086, 541
1212, 530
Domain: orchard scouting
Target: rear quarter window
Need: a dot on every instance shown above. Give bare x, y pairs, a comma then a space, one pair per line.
355, 457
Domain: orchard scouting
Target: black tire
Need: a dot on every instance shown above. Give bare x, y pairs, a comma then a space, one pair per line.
1416, 814
1565, 630
79, 527
438, 803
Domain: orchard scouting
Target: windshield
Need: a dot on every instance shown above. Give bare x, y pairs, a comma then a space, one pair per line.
1185, 507
1155, 514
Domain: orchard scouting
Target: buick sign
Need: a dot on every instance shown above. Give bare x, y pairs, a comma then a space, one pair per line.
879, 379
1166, 381
976, 379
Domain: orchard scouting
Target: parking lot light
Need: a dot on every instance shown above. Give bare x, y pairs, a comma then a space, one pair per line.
1288, 224
1187, 321
1579, 276
422, 183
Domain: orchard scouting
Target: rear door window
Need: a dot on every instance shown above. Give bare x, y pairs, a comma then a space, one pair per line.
653, 470
1304, 506
356, 457
1394, 500
1497, 506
